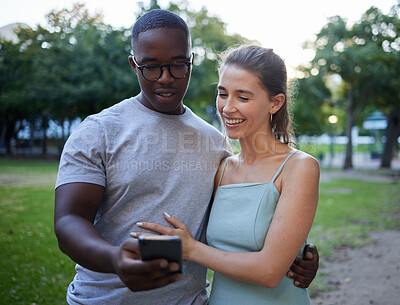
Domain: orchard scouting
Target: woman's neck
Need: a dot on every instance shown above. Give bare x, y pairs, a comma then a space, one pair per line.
259, 147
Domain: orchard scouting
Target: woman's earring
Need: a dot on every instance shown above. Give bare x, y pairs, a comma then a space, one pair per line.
270, 118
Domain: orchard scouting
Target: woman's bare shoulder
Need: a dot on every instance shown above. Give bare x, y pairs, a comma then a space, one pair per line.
303, 164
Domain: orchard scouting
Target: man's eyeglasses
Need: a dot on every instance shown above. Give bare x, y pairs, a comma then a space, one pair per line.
177, 69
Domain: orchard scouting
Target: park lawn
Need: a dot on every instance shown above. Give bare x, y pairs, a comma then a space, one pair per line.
348, 209
34, 271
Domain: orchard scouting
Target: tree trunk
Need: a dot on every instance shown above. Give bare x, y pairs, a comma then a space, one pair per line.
10, 132
3, 129
391, 133
348, 162
45, 125
62, 140
3, 141
8, 144
32, 134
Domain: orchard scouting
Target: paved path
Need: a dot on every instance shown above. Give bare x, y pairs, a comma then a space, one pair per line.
366, 275
369, 274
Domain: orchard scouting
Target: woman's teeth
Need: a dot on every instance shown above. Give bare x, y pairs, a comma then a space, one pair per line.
236, 121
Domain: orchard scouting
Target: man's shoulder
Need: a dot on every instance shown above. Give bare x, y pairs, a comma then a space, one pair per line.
113, 114
117, 109
204, 126
106, 120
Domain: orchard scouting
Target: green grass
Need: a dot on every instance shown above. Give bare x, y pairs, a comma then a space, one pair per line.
349, 209
34, 271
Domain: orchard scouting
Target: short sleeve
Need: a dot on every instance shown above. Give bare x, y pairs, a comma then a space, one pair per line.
83, 156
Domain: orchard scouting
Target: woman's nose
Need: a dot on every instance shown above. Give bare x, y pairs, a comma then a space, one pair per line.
229, 106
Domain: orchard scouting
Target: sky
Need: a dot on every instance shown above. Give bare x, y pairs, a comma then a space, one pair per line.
283, 25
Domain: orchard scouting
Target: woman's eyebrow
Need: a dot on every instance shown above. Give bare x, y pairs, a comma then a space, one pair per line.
239, 90
245, 91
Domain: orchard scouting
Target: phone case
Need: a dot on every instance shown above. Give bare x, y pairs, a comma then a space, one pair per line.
161, 246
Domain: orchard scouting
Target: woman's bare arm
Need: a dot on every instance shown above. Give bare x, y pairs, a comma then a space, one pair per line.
288, 231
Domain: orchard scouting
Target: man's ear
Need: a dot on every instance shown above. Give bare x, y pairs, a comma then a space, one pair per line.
130, 58
278, 101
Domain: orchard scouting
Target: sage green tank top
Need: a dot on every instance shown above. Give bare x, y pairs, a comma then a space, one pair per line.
239, 220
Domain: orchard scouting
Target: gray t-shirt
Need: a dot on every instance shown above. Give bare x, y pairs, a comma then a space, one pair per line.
149, 163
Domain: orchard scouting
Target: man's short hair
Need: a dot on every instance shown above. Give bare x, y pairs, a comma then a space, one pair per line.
156, 19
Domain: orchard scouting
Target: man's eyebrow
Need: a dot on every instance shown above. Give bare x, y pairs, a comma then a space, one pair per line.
147, 59
150, 59
179, 57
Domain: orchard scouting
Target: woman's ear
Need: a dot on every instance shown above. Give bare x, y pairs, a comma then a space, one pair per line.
277, 100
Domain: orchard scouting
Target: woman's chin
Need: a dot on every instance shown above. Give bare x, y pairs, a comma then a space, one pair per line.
233, 136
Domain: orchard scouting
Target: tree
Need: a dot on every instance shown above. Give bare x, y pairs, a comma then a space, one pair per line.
359, 55
73, 66
15, 71
86, 68
311, 106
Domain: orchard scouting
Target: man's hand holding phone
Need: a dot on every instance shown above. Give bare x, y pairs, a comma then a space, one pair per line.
161, 246
139, 275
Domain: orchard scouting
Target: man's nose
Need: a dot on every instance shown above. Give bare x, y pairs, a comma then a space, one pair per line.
166, 76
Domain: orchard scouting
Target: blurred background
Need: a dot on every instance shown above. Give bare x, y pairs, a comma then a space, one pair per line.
61, 61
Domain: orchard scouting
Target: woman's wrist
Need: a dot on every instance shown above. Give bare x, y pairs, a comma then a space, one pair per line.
191, 250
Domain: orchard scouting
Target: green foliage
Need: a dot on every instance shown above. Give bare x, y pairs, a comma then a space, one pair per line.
366, 56
86, 67
73, 66
209, 39
76, 65
310, 115
15, 69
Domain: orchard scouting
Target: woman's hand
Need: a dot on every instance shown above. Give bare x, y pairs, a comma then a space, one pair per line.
188, 243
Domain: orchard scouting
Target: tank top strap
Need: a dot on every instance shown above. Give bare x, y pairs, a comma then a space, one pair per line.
283, 164
222, 173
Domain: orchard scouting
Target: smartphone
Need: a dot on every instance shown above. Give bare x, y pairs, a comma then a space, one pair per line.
161, 246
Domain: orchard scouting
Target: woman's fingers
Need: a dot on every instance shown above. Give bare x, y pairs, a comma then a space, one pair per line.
174, 221
180, 227
155, 227
137, 234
